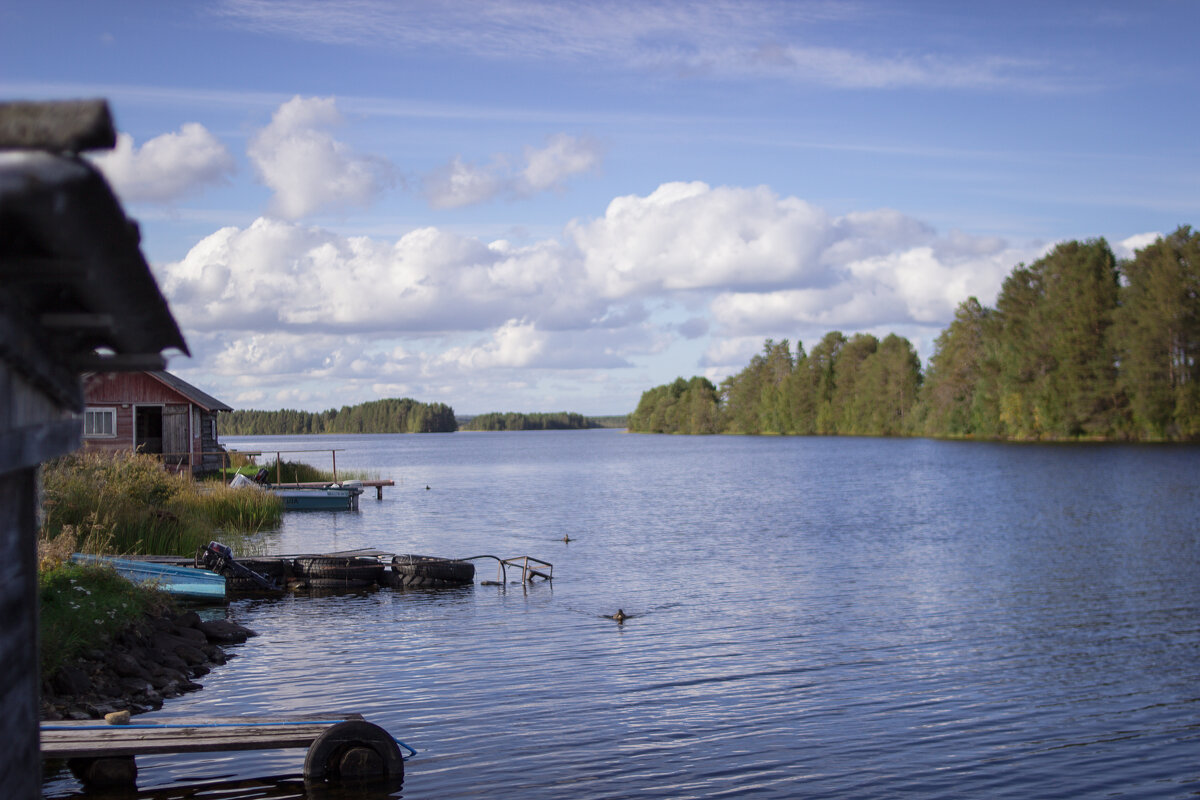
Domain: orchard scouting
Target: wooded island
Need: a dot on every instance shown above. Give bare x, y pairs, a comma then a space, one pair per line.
1079, 345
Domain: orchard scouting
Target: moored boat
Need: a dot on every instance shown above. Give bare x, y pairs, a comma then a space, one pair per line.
182, 583
332, 497
328, 498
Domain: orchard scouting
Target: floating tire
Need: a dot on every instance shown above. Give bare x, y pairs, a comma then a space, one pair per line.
272, 568
429, 572
338, 572
353, 750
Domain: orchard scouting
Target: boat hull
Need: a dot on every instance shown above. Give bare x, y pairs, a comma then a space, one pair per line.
328, 499
182, 583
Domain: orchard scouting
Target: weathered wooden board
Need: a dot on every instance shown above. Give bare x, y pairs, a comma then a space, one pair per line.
94, 739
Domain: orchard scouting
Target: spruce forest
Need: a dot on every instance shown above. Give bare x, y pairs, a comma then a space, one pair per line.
378, 416
516, 421
1079, 346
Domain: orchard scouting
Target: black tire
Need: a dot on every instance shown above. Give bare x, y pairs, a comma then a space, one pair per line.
270, 568
338, 571
429, 572
354, 749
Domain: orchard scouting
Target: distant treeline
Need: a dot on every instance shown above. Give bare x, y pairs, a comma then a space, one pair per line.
377, 416
513, 421
612, 421
1079, 345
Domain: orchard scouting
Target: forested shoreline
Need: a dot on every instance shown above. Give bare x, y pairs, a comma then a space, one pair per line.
403, 415
399, 416
517, 421
1079, 346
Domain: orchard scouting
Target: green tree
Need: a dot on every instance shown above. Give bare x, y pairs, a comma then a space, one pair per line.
1158, 336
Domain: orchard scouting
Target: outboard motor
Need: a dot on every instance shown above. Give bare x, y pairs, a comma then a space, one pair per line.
218, 558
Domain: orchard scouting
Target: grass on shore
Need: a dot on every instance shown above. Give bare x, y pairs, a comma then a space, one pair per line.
296, 472
127, 503
82, 606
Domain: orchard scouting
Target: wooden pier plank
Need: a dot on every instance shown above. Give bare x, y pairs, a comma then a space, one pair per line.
93, 739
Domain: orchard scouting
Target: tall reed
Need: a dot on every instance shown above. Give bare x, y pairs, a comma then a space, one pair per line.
127, 503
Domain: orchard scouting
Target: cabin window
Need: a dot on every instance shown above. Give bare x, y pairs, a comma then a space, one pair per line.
100, 422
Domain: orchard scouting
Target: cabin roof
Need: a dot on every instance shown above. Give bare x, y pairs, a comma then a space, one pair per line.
197, 396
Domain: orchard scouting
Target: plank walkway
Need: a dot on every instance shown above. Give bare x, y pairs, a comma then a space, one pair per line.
95, 739
376, 485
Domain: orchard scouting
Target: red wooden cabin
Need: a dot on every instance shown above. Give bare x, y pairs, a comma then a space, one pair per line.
153, 412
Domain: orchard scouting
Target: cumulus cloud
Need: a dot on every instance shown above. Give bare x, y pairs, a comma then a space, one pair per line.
774, 262
166, 167
686, 236
563, 156
742, 263
760, 262
460, 184
276, 275
309, 170
1128, 247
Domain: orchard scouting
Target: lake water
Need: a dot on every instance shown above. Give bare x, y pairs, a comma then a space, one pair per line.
812, 617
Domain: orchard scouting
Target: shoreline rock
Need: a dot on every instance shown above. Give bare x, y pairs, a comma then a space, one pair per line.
149, 662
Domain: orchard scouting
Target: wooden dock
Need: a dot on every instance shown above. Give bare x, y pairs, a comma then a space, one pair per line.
377, 485
339, 745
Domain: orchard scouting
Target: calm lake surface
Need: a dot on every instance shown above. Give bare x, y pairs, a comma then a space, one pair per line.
812, 617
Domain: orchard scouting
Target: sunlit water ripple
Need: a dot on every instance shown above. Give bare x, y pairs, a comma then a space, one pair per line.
812, 618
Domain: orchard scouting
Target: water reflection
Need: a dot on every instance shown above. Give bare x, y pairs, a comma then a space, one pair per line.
809, 617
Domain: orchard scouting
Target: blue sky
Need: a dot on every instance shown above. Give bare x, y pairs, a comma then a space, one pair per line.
555, 206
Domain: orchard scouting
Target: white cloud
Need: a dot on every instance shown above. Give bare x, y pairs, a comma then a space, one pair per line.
516, 343
166, 167
459, 183
307, 168
563, 156
302, 303
1128, 247
687, 236
277, 275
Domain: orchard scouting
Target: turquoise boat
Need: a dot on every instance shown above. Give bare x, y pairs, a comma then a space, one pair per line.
328, 498
182, 583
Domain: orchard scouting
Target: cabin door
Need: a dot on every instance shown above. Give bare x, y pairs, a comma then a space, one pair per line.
148, 429
177, 449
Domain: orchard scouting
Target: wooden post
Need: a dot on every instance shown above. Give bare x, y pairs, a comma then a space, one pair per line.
278, 468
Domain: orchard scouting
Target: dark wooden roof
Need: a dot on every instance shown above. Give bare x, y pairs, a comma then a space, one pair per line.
78, 294
200, 398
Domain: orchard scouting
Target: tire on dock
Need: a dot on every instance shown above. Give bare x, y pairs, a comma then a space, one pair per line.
273, 568
354, 749
339, 572
430, 572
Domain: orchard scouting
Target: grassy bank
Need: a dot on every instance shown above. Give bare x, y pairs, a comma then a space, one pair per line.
83, 606
295, 472
127, 503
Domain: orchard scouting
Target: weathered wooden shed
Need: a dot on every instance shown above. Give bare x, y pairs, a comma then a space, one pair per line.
76, 296
153, 412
